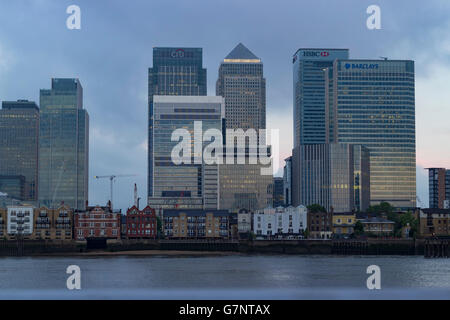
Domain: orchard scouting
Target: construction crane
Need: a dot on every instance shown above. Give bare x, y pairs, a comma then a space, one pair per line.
111, 180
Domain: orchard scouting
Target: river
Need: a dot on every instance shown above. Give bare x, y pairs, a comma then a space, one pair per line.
225, 277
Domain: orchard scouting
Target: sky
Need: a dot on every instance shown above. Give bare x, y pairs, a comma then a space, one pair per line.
112, 52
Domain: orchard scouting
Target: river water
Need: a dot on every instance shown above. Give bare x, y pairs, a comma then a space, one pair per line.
225, 277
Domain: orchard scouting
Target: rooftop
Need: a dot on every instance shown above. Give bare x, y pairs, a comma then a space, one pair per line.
241, 53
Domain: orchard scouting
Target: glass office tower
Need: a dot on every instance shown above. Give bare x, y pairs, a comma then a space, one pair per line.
309, 93
241, 82
19, 149
63, 145
188, 186
324, 175
373, 105
175, 71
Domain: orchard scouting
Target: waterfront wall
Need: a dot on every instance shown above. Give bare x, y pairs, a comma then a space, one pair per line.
341, 247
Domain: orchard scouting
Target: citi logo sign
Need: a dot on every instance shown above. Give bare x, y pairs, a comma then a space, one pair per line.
179, 53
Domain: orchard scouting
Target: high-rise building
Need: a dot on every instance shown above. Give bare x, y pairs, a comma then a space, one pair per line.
175, 71
241, 82
324, 174
278, 194
287, 181
439, 188
309, 93
63, 145
19, 149
361, 183
372, 104
183, 186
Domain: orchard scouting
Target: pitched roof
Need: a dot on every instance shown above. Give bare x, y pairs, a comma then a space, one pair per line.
241, 52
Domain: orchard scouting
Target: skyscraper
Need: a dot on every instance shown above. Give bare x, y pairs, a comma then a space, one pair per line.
63, 145
309, 93
19, 149
241, 82
439, 188
324, 174
180, 185
175, 71
373, 104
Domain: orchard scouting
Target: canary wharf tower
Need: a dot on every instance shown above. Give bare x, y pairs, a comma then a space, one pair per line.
175, 72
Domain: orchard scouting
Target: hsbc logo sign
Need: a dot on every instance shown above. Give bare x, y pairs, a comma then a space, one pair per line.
316, 54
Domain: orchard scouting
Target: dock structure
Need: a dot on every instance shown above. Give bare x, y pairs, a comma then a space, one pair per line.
437, 248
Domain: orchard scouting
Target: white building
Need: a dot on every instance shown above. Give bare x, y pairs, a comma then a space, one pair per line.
20, 220
244, 221
280, 222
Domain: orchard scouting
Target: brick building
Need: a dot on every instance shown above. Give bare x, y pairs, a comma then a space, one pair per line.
320, 225
141, 223
97, 222
434, 222
53, 224
196, 224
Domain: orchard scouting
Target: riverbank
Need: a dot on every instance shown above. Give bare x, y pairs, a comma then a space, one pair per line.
204, 248
168, 253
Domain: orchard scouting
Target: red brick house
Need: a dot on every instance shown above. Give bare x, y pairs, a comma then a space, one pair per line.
97, 222
141, 223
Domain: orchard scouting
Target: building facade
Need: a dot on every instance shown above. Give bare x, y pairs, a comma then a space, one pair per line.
372, 103
242, 186
19, 149
343, 224
379, 227
242, 84
63, 145
309, 93
287, 181
196, 224
175, 72
19, 222
361, 176
439, 188
3, 219
324, 174
97, 222
141, 223
244, 222
53, 224
278, 194
285, 223
192, 185
320, 225
434, 222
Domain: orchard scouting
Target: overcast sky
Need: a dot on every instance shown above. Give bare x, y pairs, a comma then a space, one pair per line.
113, 50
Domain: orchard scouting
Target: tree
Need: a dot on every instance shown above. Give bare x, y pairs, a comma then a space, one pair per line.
315, 208
359, 228
378, 209
306, 233
159, 226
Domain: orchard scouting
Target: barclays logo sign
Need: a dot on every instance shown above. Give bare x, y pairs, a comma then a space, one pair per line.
364, 66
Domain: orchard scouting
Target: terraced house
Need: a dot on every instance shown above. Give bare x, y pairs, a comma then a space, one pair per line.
53, 224
196, 224
343, 224
141, 223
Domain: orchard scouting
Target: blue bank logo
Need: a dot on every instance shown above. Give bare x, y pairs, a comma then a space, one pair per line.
364, 66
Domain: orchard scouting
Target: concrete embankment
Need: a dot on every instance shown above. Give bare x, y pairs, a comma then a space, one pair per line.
152, 247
